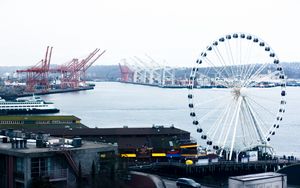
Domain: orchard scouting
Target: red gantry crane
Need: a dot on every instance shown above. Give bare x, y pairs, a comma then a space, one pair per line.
74, 72
37, 76
87, 64
126, 72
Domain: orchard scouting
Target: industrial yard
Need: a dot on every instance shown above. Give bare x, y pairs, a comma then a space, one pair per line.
43, 78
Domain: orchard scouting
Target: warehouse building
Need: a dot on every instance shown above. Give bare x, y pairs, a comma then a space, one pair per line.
37, 122
138, 143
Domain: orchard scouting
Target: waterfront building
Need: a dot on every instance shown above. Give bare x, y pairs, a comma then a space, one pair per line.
25, 162
37, 122
157, 143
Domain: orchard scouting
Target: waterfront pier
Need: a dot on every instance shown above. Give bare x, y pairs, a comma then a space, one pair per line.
210, 172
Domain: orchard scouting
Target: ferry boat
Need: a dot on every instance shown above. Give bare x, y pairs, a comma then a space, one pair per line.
34, 105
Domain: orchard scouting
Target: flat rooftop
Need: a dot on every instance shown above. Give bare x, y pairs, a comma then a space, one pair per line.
6, 148
258, 176
134, 131
38, 117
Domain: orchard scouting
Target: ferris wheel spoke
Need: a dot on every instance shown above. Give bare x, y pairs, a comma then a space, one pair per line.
225, 122
221, 119
242, 54
222, 61
261, 98
272, 116
230, 57
230, 123
247, 74
254, 121
249, 67
243, 128
235, 126
253, 118
239, 57
247, 127
262, 124
215, 68
262, 107
262, 78
252, 131
209, 113
211, 101
207, 71
253, 76
246, 59
217, 126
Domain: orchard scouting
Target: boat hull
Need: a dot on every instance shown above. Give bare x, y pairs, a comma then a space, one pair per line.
29, 111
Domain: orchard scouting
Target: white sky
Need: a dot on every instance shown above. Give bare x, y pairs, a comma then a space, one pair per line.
170, 30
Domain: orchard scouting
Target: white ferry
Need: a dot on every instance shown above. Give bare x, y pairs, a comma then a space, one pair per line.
34, 105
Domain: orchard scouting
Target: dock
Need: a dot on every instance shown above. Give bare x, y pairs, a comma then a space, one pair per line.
213, 173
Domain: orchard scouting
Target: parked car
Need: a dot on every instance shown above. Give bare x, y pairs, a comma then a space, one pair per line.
186, 182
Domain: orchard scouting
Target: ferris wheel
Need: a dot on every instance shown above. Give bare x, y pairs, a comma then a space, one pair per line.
237, 93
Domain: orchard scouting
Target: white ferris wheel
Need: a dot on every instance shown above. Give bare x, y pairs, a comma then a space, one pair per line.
237, 93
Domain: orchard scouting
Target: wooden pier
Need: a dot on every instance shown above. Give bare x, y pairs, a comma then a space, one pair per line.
219, 171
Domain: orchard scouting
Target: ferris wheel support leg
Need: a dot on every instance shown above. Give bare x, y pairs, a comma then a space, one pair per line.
237, 156
235, 127
227, 155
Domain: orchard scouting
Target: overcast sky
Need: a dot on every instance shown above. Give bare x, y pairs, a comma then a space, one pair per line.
170, 30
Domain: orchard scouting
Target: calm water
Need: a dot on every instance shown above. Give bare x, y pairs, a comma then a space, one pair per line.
116, 105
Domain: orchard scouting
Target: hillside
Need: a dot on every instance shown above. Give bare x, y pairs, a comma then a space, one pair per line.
112, 72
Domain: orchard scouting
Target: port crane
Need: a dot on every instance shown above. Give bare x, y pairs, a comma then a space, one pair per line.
166, 72
89, 63
146, 72
37, 76
73, 73
126, 73
154, 73
132, 71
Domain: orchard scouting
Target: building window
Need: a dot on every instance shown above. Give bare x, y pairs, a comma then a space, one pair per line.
39, 167
19, 168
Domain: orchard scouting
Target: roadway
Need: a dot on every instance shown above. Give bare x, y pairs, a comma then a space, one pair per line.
171, 183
